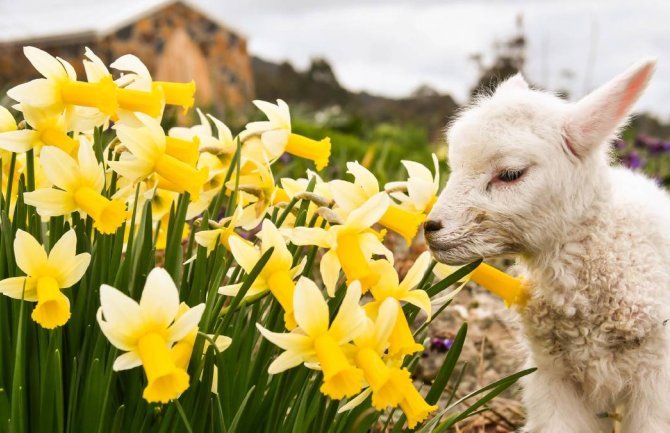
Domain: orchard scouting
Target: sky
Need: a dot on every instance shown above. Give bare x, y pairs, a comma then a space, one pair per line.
391, 47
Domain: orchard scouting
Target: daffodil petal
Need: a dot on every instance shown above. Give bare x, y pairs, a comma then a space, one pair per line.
416, 272
245, 254
350, 319
310, 309
290, 341
384, 323
330, 271
18, 287
186, 323
126, 361
7, 121
59, 168
369, 213
118, 308
50, 202
307, 236
45, 63
271, 237
420, 299
29, 254
160, 299
356, 401
19, 141
285, 361
364, 178
117, 334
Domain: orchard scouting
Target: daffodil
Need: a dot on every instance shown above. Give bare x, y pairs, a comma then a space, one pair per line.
221, 234
349, 196
510, 289
58, 89
277, 138
297, 188
46, 275
278, 273
147, 332
153, 153
80, 184
419, 192
350, 245
47, 129
388, 286
256, 193
317, 341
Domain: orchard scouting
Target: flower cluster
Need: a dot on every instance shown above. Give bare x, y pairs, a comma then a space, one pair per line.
90, 154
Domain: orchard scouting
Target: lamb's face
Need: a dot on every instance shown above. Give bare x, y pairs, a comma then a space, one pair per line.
509, 172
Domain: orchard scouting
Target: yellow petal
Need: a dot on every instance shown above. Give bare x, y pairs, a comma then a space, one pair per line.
29, 254
245, 254
7, 121
291, 341
50, 202
166, 381
19, 141
67, 266
45, 63
127, 361
416, 272
311, 310
351, 318
364, 178
330, 271
340, 378
18, 288
53, 307
60, 168
369, 213
186, 323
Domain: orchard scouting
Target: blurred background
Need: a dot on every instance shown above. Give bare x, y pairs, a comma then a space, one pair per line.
382, 78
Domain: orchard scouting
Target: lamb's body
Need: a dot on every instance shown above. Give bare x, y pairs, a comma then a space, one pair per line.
596, 321
531, 178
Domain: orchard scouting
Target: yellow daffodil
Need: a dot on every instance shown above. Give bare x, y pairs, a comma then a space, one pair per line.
256, 193
297, 188
47, 129
153, 152
350, 245
278, 273
221, 234
182, 351
80, 184
388, 286
349, 196
45, 276
277, 138
419, 192
59, 89
147, 332
315, 341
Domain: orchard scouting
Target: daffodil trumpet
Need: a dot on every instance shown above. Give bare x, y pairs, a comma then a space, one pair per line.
317, 151
181, 94
340, 378
385, 382
510, 289
164, 377
134, 100
57, 137
414, 406
100, 95
184, 150
180, 176
108, 215
53, 307
403, 222
354, 263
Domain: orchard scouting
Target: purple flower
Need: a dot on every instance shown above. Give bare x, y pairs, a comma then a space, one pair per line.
441, 344
632, 160
619, 144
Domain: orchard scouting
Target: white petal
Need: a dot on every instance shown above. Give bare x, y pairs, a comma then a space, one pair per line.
369, 213
364, 178
290, 341
351, 318
285, 361
386, 318
118, 308
19, 141
50, 202
356, 401
307, 236
7, 121
186, 323
117, 334
130, 63
160, 298
126, 361
59, 168
416, 272
45, 63
310, 309
40, 93
19, 287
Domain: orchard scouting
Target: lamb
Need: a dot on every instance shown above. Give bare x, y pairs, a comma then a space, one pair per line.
532, 178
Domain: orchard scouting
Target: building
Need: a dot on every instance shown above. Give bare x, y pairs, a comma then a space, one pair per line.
176, 40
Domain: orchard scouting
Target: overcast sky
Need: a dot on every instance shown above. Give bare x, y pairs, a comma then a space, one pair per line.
392, 47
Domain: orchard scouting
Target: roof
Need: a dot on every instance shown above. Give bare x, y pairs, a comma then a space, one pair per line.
55, 20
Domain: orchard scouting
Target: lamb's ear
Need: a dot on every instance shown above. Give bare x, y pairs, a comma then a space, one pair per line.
514, 82
597, 117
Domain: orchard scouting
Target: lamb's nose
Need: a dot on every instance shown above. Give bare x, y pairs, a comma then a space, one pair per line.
432, 226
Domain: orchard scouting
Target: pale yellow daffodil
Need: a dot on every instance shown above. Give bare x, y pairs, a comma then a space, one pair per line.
257, 192
277, 138
45, 276
349, 196
80, 184
388, 286
419, 192
278, 273
350, 245
147, 332
58, 90
153, 152
317, 341
47, 130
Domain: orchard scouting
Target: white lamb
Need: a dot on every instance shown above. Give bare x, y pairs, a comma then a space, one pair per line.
531, 178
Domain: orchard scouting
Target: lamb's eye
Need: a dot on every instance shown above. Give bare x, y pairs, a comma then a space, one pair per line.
510, 175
